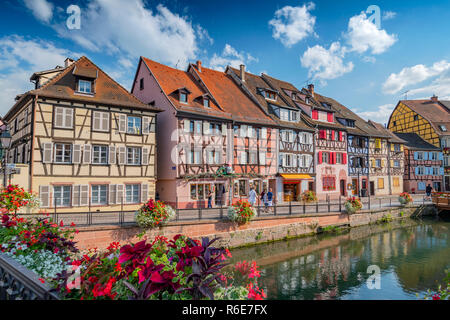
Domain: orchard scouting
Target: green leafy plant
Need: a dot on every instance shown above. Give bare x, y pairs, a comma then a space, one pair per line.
442, 292
308, 196
241, 212
353, 205
154, 214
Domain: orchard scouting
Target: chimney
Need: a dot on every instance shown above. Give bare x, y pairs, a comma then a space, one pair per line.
68, 62
243, 72
311, 89
434, 98
199, 66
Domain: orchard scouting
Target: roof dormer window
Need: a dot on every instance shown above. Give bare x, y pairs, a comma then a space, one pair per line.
270, 95
84, 86
206, 102
183, 97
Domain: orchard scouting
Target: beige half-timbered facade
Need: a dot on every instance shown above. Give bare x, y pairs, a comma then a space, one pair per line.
89, 143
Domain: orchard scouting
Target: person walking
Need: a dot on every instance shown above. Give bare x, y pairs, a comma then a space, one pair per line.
269, 198
428, 190
209, 199
252, 196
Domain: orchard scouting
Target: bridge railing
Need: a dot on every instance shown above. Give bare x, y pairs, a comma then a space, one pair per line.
19, 283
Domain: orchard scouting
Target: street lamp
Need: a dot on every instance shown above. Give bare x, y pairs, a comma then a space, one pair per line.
5, 139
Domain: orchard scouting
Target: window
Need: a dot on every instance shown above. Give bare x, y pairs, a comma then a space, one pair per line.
397, 148
419, 155
201, 192
378, 163
433, 156
63, 153
134, 125
443, 128
396, 182
63, 118
396, 163
243, 187
270, 95
100, 121
416, 117
435, 171
84, 86
420, 170
132, 193
380, 183
100, 154
329, 183
206, 103
215, 129
213, 157
133, 156
62, 196
141, 84
421, 186
193, 191
195, 156
395, 123
338, 157
284, 114
198, 127
326, 157
99, 194
183, 97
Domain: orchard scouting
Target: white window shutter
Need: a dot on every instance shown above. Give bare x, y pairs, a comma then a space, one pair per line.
68, 123
44, 196
59, 117
120, 194
96, 120
206, 127
243, 131
264, 133
152, 125
187, 125
145, 125
84, 195
76, 195
122, 122
122, 155
87, 153
105, 121
112, 155
144, 156
112, 194
262, 158
144, 192
224, 129
76, 153
249, 131
47, 152
294, 161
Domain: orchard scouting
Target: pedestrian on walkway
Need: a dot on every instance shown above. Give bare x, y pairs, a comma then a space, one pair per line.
428, 190
209, 199
252, 196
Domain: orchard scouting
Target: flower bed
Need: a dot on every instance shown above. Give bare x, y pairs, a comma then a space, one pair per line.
309, 196
154, 214
241, 212
177, 269
353, 205
404, 198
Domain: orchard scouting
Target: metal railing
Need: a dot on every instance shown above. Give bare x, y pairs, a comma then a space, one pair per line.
121, 217
20, 283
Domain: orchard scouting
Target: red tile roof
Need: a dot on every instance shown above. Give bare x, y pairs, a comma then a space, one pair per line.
432, 111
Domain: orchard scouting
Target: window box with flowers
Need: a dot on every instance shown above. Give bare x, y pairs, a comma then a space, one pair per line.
353, 205
404, 198
154, 214
241, 212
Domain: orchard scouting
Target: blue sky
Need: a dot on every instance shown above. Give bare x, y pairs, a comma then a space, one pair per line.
364, 63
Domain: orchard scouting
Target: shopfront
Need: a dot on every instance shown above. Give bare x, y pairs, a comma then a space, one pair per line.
294, 185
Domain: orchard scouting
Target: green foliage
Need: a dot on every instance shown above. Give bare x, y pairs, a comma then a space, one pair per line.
442, 292
385, 218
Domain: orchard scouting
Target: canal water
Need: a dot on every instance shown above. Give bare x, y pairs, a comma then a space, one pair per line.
411, 255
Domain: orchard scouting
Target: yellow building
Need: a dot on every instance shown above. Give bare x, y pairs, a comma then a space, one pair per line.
430, 119
88, 143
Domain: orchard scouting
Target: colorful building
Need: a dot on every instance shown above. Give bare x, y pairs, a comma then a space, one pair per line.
423, 164
216, 139
89, 145
295, 142
430, 119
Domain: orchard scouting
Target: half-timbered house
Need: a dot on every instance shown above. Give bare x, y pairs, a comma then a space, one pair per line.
89, 144
217, 140
295, 139
423, 164
395, 161
430, 119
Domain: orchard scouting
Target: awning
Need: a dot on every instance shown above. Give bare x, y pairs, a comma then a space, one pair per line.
297, 176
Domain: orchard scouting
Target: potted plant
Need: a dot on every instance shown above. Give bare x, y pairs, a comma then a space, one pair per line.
404, 198
154, 214
353, 205
308, 196
241, 212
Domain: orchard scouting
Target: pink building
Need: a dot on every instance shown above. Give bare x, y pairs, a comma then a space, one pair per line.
214, 140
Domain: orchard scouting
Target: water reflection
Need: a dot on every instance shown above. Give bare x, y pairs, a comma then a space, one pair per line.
412, 257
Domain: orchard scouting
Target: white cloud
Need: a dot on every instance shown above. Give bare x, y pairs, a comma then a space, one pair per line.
41, 9
203, 34
230, 56
363, 35
24, 57
325, 64
293, 24
388, 15
380, 114
413, 75
128, 28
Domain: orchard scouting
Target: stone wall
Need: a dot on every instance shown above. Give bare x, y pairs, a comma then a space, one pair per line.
259, 230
